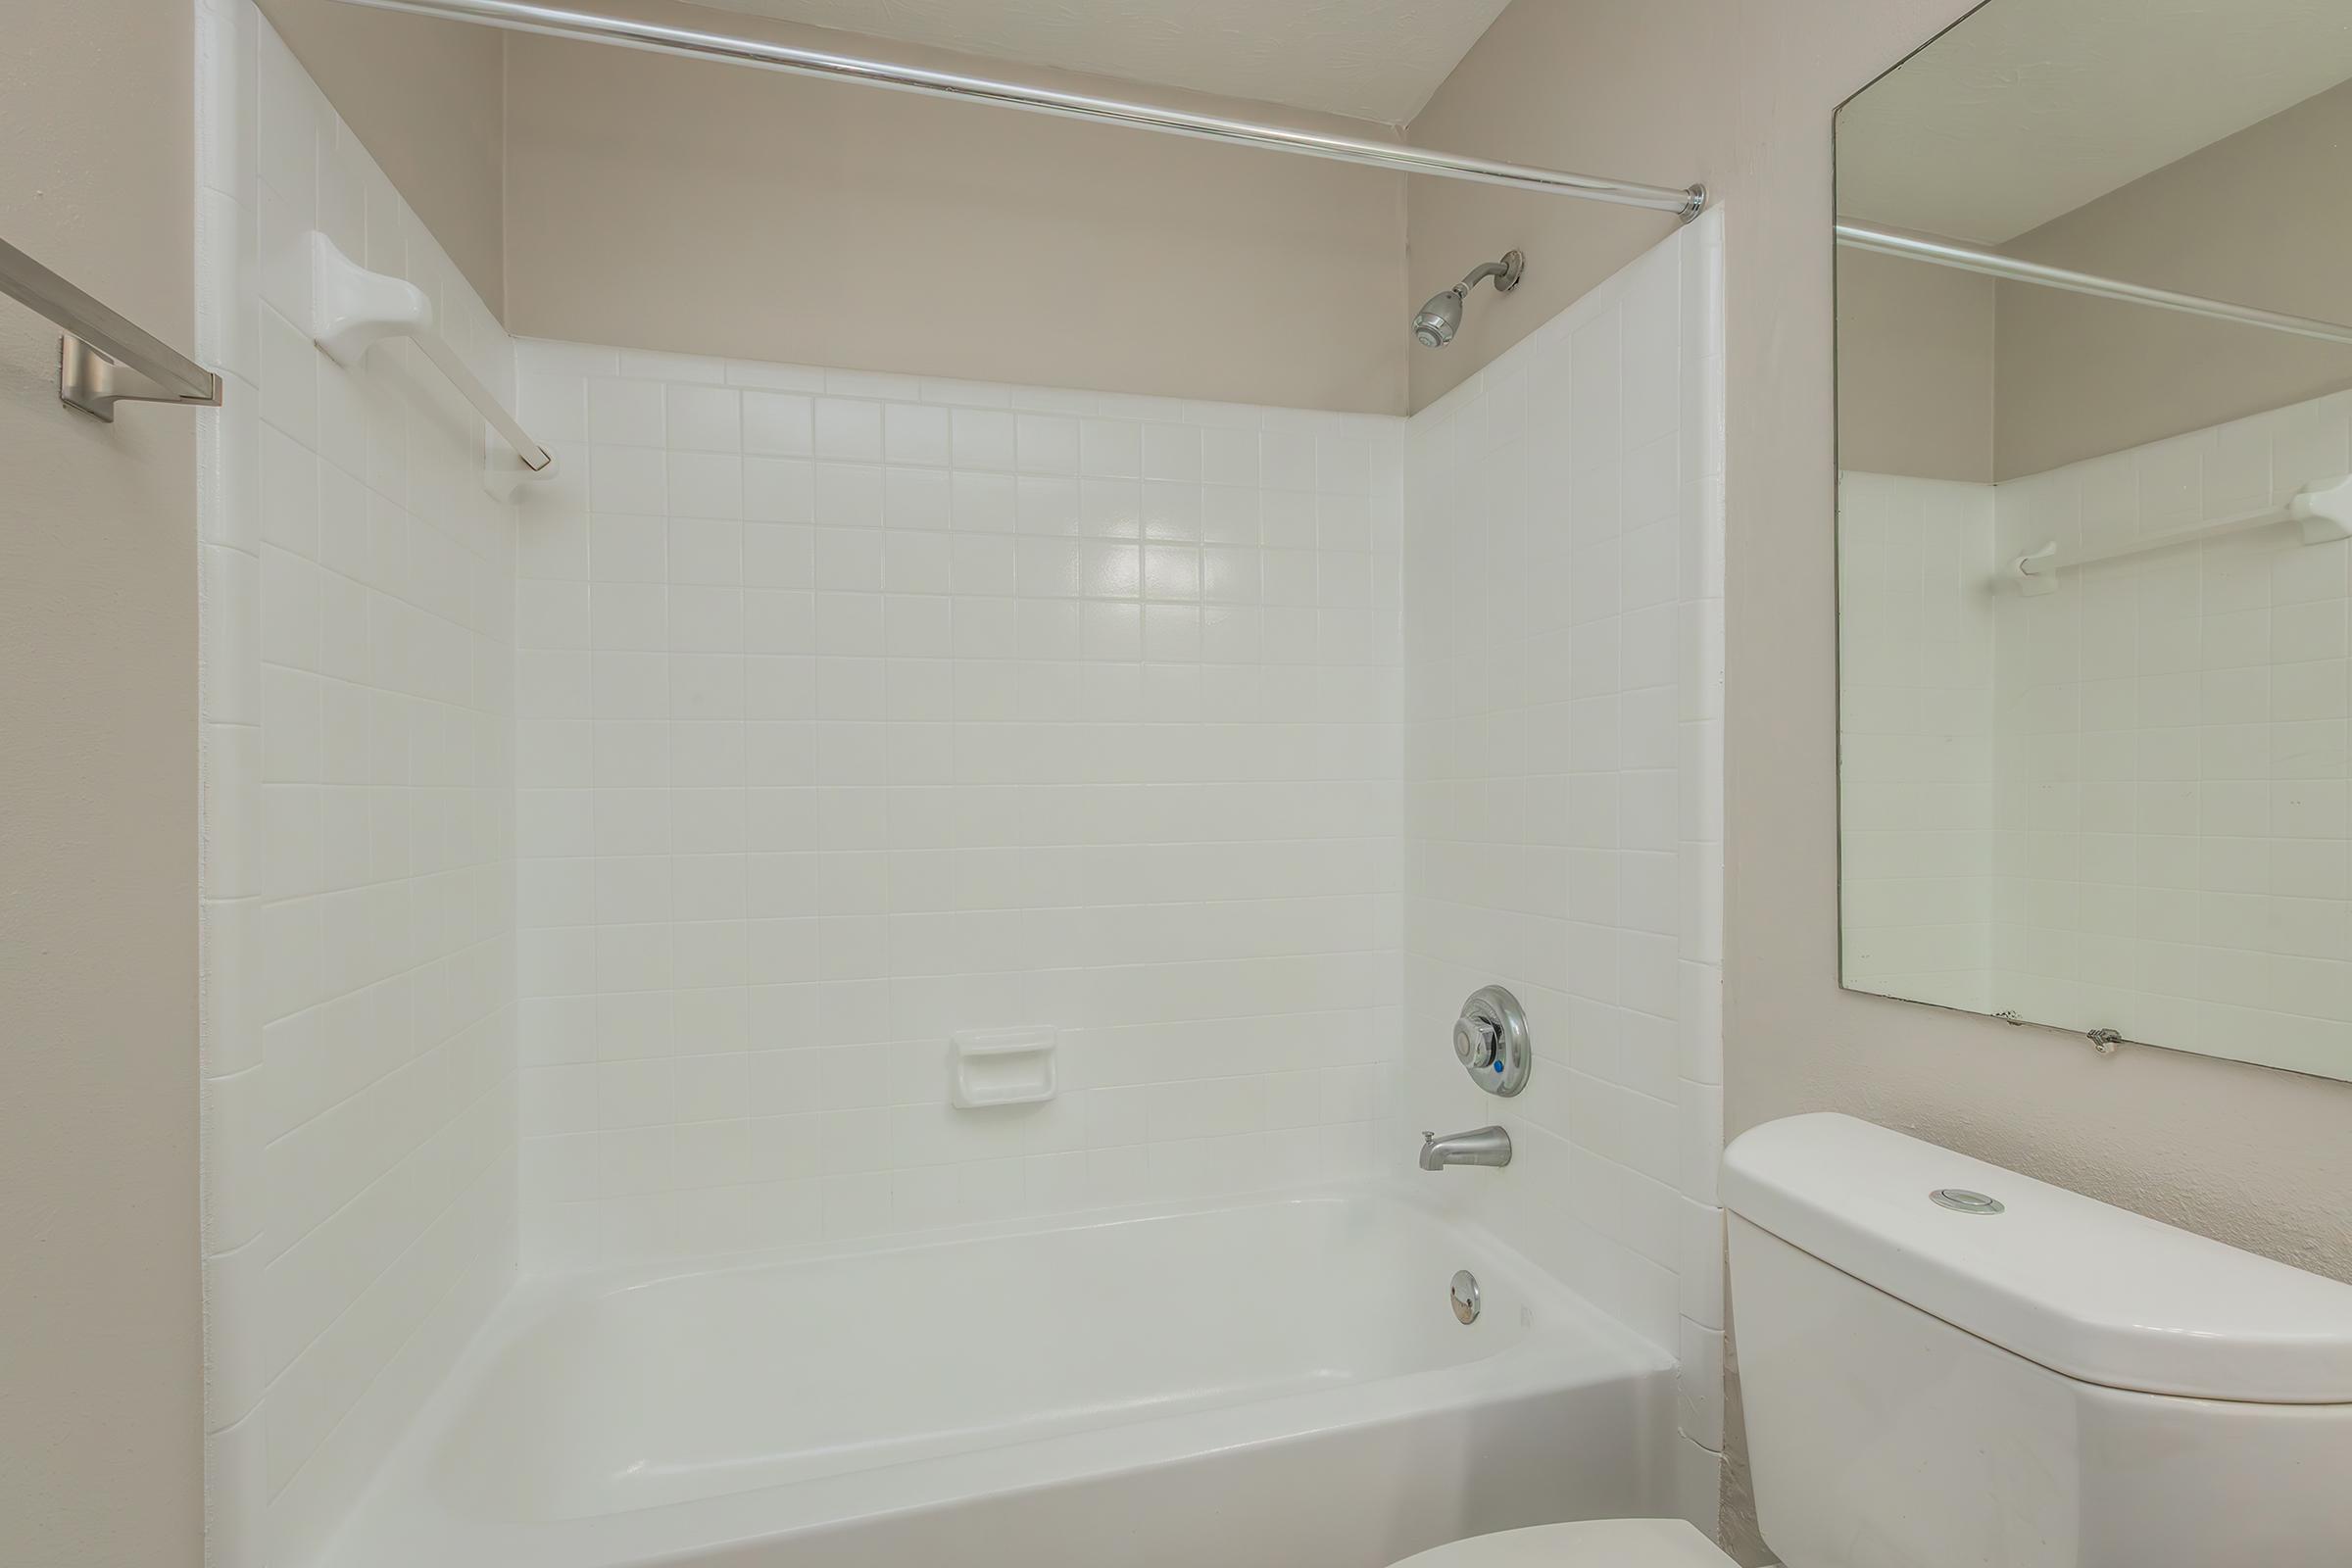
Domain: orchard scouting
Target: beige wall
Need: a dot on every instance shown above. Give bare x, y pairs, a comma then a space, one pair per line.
1915, 368
1743, 96
669, 204
611, 196
2239, 221
428, 100
100, 1350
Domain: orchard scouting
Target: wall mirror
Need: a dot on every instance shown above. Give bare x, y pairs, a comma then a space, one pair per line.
2095, 272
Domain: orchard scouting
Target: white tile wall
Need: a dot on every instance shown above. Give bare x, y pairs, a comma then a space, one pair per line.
1563, 821
357, 689
1916, 608
2173, 800
858, 709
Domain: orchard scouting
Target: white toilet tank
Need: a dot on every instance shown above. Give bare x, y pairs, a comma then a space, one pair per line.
2057, 1384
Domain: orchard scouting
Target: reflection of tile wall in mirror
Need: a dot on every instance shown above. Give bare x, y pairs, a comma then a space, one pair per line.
2127, 803
1916, 678
2174, 834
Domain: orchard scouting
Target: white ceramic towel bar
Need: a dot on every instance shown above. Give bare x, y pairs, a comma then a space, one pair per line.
354, 309
2324, 509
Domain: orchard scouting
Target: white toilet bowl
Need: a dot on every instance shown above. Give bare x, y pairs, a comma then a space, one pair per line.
1595, 1544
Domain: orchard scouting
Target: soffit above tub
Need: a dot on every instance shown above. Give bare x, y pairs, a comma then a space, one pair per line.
2032, 108
1376, 60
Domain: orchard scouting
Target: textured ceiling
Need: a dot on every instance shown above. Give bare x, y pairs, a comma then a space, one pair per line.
1375, 60
2032, 108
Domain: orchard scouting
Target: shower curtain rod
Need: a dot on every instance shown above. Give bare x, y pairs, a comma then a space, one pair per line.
1991, 264
659, 39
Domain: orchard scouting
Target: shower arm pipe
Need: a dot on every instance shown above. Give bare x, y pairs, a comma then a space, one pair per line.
661, 38
1499, 271
1992, 263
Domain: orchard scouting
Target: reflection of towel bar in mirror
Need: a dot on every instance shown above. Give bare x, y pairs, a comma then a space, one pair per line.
1941, 252
2324, 509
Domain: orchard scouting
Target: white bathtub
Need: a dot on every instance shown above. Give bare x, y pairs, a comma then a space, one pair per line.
1276, 1383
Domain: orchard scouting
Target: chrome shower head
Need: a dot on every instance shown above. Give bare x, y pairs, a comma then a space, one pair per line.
1441, 318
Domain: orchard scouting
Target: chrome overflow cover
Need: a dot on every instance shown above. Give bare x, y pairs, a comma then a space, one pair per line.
1961, 1200
1490, 1041
1465, 1296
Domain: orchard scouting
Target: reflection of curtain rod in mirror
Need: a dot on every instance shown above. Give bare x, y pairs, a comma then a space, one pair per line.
1992, 263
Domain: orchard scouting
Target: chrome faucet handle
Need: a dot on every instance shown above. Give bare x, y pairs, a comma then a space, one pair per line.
1490, 1041
1476, 1040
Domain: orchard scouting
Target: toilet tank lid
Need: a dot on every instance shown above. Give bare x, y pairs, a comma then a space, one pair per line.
2086, 1288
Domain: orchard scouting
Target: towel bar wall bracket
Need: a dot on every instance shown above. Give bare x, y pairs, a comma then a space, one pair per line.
89, 382
105, 358
354, 309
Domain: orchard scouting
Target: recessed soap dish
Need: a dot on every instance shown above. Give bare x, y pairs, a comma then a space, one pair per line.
1001, 1066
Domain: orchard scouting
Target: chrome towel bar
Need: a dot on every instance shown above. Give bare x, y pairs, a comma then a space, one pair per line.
106, 357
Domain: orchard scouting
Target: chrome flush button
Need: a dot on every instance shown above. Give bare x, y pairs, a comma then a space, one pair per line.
1961, 1200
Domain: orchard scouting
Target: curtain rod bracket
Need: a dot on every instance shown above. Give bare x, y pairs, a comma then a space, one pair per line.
88, 380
